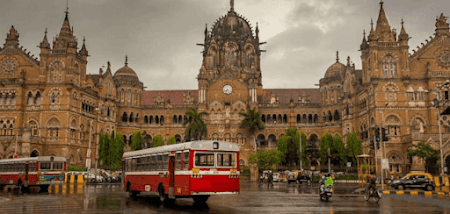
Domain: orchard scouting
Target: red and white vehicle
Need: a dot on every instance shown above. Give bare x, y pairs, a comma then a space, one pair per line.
195, 169
32, 171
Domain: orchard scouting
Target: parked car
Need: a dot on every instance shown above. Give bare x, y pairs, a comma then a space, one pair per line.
292, 177
91, 177
276, 177
415, 180
303, 177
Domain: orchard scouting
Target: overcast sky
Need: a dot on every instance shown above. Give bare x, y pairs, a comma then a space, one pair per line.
160, 36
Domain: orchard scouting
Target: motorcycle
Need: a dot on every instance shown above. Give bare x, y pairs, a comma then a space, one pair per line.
327, 193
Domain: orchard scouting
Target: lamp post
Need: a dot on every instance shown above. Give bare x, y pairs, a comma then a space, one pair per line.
437, 103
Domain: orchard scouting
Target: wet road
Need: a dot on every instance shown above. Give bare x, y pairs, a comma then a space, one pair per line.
282, 198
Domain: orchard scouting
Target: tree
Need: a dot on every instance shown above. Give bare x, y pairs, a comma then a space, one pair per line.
197, 127
157, 141
171, 140
267, 159
288, 145
325, 142
339, 150
252, 122
304, 158
136, 141
110, 150
354, 146
424, 150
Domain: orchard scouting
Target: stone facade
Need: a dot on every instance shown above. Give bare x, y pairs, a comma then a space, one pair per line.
50, 106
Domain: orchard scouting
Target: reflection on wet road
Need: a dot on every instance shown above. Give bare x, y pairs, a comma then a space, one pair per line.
282, 198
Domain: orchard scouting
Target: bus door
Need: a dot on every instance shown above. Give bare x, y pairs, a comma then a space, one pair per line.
27, 167
171, 175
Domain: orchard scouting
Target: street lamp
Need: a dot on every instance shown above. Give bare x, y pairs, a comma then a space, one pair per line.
437, 103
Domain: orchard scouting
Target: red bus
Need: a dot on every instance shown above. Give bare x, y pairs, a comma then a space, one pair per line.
35, 171
195, 169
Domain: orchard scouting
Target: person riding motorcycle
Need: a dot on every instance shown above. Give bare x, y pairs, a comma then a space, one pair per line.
322, 183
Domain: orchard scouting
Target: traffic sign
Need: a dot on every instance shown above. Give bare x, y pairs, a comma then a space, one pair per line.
349, 164
384, 163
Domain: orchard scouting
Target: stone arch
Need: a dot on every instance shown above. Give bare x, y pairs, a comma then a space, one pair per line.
34, 153
178, 139
215, 137
272, 141
261, 140
242, 162
392, 119
418, 123
53, 122
395, 157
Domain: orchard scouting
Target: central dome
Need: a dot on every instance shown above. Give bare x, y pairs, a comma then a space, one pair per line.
126, 73
232, 23
336, 69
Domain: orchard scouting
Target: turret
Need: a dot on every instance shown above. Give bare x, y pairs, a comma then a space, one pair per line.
442, 26
364, 44
83, 51
12, 38
403, 37
65, 42
45, 46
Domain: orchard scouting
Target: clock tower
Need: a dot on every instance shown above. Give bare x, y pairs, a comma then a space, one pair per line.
230, 72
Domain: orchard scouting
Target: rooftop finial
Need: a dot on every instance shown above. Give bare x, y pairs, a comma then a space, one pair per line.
126, 60
67, 8
364, 33
337, 56
381, 3
45, 31
232, 5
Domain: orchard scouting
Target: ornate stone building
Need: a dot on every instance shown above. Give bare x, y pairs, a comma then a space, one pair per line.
50, 106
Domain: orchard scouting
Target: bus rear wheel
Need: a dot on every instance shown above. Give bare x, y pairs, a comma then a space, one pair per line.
163, 197
200, 199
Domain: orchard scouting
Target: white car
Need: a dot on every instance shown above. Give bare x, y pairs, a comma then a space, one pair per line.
276, 177
91, 177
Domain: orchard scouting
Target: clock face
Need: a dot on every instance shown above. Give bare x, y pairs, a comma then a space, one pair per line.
444, 58
227, 89
9, 66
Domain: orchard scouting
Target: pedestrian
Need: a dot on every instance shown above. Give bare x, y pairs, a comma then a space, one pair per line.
392, 176
270, 179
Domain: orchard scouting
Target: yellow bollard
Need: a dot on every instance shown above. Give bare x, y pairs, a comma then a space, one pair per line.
437, 181
72, 178
414, 192
49, 189
446, 182
399, 192
65, 178
80, 179
387, 192
64, 189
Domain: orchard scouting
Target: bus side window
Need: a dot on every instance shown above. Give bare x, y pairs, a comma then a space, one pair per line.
160, 162
143, 163
178, 161
166, 162
154, 162
185, 160
133, 164
138, 164
147, 166
32, 167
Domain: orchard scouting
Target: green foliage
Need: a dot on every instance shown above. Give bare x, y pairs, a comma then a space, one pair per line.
136, 141
267, 159
288, 145
110, 150
305, 160
197, 127
245, 169
171, 140
76, 168
157, 141
339, 150
325, 142
424, 150
354, 145
252, 122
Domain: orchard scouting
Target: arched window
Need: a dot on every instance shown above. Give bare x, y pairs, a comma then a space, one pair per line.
174, 120
131, 117
389, 67
30, 98
145, 119
34, 128
299, 119
336, 115
122, 96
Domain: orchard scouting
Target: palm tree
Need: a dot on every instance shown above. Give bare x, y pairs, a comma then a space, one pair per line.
252, 122
197, 127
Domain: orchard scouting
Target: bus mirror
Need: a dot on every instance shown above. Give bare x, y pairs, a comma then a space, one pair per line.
216, 145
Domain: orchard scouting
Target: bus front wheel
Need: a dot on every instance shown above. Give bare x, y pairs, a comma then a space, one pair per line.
163, 197
201, 199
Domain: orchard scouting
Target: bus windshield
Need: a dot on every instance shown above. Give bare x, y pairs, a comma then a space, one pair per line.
215, 159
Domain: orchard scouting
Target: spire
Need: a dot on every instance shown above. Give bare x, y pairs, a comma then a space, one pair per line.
364, 41
12, 38
403, 36
67, 11
348, 60
442, 26
257, 30
83, 50
44, 43
383, 29
231, 5
372, 35
337, 56
126, 60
